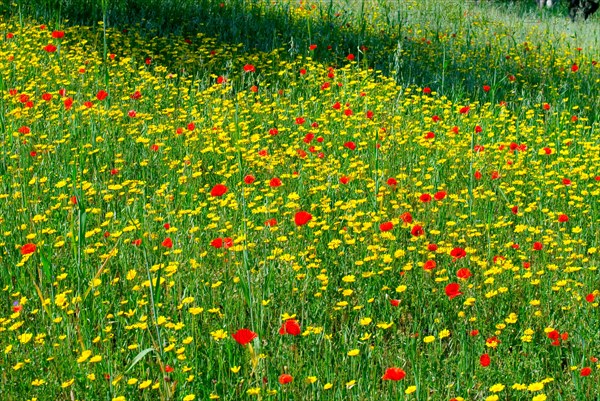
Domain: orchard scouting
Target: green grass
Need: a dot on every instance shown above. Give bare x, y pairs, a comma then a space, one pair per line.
141, 273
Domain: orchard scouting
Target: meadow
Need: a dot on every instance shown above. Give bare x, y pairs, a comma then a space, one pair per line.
298, 200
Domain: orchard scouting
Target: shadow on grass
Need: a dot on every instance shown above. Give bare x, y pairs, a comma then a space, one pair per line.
439, 44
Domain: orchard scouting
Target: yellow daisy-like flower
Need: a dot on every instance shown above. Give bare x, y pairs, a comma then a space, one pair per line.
429, 339
535, 386
496, 388
353, 352
492, 398
189, 397
410, 389
539, 397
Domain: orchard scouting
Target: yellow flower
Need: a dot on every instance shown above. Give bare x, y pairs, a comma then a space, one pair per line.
327, 386
145, 384
429, 339
353, 352
535, 386
443, 334
350, 384
67, 383
365, 321
496, 388
492, 398
410, 389
84, 356
253, 391
25, 338
119, 398
235, 369
95, 358
218, 334
539, 397
311, 379
189, 397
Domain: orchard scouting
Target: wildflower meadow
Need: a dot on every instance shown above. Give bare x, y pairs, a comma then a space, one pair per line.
298, 200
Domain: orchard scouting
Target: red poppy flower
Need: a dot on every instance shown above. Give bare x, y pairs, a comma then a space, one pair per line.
169, 369
538, 246
546, 106
484, 360
348, 112
302, 217
486, 88
167, 243
458, 253
463, 273
370, 114
101, 95
249, 68
585, 371
392, 182
478, 129
136, 242
429, 265
275, 182
218, 190
394, 302
406, 217
435, 119
474, 333
429, 135
24, 130
425, 198
417, 231
300, 120
58, 34
590, 298
432, 247
574, 68
285, 379
68, 103
350, 57
312, 47
566, 182
244, 336
249, 179
50, 48
387, 226
291, 327
478, 175
28, 248
563, 218
271, 223
439, 195
464, 110
427, 90
394, 374
217, 243
453, 290
350, 145
47, 97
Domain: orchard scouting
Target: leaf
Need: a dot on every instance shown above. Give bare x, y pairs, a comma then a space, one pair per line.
139, 357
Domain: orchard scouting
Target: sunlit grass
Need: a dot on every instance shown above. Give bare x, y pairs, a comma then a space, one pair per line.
189, 218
